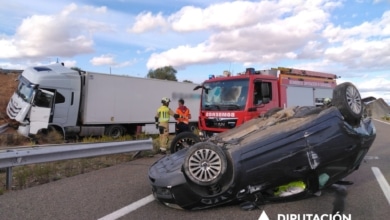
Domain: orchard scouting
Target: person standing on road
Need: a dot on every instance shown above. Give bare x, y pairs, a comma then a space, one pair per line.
162, 123
182, 122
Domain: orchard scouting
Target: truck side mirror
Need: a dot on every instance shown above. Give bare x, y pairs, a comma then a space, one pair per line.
202, 87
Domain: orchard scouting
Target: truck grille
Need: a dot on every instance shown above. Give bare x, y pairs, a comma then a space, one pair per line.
12, 110
221, 123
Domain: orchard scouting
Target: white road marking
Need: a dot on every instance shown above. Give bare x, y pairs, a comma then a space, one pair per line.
371, 158
382, 121
382, 182
127, 209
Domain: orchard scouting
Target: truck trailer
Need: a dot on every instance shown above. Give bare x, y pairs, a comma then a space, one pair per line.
87, 104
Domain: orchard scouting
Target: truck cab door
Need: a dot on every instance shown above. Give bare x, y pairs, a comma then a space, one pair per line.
41, 110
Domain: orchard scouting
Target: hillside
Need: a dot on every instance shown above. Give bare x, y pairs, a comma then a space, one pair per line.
8, 85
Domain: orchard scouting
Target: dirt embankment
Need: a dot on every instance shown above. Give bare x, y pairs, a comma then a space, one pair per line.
8, 85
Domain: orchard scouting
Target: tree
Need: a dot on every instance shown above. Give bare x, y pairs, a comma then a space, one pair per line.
187, 81
167, 72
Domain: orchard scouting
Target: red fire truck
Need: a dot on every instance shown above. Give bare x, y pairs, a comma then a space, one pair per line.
229, 101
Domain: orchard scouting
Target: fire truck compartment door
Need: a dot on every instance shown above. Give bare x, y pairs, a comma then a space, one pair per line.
299, 96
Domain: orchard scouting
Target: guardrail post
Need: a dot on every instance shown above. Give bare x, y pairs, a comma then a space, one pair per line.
8, 181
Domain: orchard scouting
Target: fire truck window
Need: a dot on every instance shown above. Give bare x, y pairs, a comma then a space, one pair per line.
243, 95
262, 91
257, 97
265, 90
230, 94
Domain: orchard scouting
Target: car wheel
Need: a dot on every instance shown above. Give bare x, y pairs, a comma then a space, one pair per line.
184, 140
205, 164
347, 99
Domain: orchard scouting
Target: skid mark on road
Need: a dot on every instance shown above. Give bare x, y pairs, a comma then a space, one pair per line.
127, 209
382, 182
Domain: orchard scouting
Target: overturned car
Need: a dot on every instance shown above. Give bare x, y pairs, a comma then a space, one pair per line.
289, 154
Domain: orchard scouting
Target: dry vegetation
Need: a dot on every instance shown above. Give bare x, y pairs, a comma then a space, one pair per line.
31, 175
8, 84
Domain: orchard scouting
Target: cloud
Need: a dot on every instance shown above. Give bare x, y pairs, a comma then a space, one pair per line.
374, 84
223, 16
67, 34
109, 60
8, 65
146, 22
243, 31
375, 29
103, 60
364, 46
268, 32
70, 63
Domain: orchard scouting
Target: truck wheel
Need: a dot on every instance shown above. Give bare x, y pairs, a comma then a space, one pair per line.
50, 135
184, 140
347, 99
193, 127
205, 164
115, 131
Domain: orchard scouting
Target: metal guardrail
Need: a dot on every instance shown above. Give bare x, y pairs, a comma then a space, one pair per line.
3, 128
49, 153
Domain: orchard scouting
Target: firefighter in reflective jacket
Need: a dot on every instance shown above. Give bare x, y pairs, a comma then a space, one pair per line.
162, 123
182, 123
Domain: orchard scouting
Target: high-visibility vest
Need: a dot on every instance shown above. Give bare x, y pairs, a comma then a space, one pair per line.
163, 113
183, 115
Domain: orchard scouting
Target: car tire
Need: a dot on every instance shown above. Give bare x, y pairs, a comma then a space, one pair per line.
184, 140
347, 99
205, 164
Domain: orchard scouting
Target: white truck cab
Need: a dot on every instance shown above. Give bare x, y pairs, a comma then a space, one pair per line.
40, 91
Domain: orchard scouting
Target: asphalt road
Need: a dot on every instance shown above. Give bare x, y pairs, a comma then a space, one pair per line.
100, 193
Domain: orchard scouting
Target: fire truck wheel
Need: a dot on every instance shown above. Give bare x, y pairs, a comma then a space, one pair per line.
184, 140
115, 131
205, 164
347, 99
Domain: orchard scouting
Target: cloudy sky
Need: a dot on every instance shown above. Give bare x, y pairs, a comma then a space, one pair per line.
350, 38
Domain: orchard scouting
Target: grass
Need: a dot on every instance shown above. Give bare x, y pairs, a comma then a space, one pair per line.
36, 174
386, 118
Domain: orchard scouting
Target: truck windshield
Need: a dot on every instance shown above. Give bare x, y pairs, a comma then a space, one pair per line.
25, 89
225, 95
